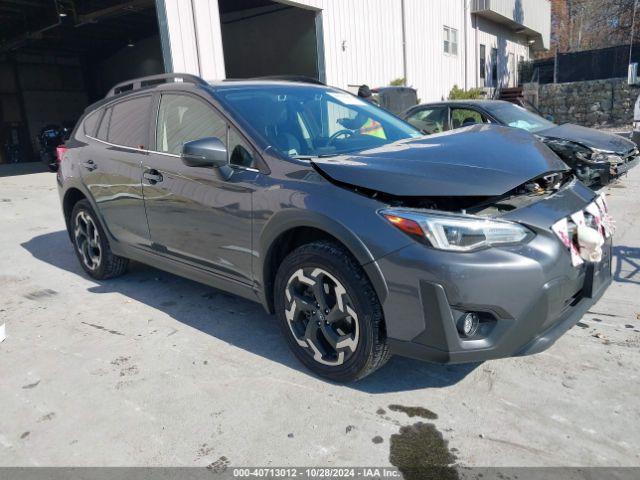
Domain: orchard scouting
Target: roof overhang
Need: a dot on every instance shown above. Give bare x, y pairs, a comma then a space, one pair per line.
532, 21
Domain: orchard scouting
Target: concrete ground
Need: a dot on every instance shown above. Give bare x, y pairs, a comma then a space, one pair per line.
151, 369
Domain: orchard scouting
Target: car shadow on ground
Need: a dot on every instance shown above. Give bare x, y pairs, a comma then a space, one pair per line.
232, 319
24, 168
626, 268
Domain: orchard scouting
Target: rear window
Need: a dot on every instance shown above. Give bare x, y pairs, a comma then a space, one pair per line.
91, 122
129, 123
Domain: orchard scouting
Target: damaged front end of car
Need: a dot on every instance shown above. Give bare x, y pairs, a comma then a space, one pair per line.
486, 171
494, 269
593, 166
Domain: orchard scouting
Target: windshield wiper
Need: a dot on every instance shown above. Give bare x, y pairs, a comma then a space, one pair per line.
311, 157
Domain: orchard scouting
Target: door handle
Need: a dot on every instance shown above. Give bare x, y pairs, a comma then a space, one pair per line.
90, 165
152, 176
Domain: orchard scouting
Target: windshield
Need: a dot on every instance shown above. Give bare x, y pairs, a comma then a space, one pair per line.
518, 117
310, 121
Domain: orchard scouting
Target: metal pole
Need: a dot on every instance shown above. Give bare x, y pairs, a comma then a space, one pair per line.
404, 43
466, 47
633, 29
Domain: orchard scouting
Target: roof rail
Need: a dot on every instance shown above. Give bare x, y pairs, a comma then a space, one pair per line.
150, 81
290, 78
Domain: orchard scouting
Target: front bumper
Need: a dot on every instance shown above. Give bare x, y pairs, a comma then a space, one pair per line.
528, 296
622, 168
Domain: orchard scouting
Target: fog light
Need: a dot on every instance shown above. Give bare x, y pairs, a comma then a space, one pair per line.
469, 325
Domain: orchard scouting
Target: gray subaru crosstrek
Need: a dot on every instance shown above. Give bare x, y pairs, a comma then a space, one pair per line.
364, 237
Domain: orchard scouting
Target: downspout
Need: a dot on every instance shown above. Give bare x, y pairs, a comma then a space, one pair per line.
466, 47
633, 30
197, 36
476, 60
404, 43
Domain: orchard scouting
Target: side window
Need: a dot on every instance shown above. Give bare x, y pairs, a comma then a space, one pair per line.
104, 125
342, 117
463, 117
91, 123
240, 152
429, 120
337, 116
129, 124
182, 118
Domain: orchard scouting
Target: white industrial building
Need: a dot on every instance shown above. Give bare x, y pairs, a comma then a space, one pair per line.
434, 44
57, 56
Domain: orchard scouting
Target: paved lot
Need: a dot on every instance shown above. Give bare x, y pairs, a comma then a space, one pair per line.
151, 369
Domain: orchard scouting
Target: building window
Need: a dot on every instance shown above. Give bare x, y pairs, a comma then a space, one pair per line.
450, 41
483, 62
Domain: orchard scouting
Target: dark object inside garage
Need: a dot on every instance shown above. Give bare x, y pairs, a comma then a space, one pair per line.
58, 56
263, 38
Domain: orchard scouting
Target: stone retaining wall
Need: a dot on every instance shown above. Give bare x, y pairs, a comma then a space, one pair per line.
596, 103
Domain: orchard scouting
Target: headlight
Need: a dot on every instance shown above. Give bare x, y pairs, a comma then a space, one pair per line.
568, 149
598, 156
457, 233
605, 157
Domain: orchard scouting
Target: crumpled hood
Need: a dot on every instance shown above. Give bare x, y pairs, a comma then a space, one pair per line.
482, 160
590, 137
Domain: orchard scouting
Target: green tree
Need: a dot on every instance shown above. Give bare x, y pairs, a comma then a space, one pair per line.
458, 93
398, 82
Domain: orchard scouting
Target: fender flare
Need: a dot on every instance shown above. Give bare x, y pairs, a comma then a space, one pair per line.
287, 220
77, 185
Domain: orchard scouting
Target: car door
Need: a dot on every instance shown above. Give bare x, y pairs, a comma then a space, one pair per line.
112, 171
199, 215
429, 120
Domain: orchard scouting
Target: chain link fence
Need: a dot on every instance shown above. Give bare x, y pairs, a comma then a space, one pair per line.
581, 66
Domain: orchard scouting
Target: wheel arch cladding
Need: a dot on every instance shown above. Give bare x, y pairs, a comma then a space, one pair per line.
299, 228
71, 197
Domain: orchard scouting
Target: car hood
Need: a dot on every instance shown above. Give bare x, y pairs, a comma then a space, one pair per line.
590, 137
482, 160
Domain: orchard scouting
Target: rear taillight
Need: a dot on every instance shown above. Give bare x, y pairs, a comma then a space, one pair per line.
60, 152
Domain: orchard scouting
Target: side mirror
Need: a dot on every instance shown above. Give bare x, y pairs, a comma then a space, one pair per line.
550, 118
206, 152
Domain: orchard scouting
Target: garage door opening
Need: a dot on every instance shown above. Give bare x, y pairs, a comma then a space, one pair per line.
265, 38
58, 56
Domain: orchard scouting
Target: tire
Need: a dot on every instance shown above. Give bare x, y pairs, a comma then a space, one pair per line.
339, 335
91, 245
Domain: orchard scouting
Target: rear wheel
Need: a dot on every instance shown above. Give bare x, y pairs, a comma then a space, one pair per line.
329, 313
91, 244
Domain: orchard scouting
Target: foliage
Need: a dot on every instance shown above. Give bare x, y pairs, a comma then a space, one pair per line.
458, 93
578, 25
398, 82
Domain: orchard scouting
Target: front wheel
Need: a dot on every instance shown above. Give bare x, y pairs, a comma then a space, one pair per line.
330, 313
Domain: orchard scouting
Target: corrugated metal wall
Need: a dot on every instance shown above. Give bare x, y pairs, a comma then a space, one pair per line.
430, 70
362, 42
194, 37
